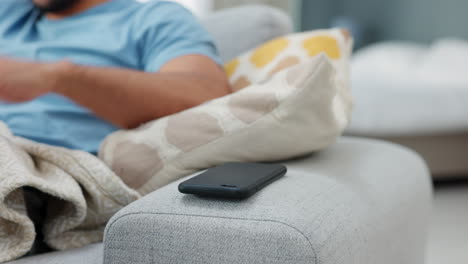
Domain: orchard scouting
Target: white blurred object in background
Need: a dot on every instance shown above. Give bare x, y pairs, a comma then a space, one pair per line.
446, 61
400, 65
200, 8
409, 89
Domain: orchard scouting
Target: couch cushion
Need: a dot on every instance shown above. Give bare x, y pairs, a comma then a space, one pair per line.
239, 29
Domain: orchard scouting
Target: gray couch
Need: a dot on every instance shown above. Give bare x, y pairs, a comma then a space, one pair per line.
360, 201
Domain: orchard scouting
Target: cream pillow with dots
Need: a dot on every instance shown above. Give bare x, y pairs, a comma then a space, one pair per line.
295, 100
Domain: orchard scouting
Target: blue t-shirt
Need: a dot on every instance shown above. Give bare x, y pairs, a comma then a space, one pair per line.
117, 33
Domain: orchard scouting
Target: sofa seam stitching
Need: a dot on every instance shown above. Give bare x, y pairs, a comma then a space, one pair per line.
316, 259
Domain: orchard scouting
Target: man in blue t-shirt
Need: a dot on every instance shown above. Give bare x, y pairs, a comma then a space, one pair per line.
73, 71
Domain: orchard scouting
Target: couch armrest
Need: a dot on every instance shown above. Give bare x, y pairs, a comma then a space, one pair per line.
361, 201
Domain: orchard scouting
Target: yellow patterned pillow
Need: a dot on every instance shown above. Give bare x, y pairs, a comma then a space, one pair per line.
260, 64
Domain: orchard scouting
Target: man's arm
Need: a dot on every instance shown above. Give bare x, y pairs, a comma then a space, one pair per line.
129, 98
126, 98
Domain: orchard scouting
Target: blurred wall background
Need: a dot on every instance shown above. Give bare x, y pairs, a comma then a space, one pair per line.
377, 20
369, 20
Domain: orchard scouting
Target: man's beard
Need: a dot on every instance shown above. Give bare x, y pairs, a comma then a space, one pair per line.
56, 5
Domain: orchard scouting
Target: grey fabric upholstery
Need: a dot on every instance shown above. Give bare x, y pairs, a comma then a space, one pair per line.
91, 254
239, 29
360, 201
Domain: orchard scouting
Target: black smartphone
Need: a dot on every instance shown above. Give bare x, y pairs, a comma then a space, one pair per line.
233, 180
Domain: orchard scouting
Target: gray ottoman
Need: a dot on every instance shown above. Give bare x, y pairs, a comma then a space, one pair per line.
360, 201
